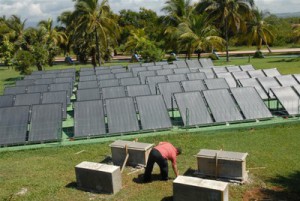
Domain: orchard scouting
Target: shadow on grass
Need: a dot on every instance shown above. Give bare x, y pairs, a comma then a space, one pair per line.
285, 60
72, 185
107, 160
13, 79
169, 198
285, 188
140, 178
189, 172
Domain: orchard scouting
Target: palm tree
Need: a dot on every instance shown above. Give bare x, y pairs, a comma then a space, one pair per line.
52, 38
229, 15
296, 32
17, 30
177, 12
197, 35
259, 31
95, 19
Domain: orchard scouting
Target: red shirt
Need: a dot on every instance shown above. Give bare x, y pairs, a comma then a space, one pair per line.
168, 151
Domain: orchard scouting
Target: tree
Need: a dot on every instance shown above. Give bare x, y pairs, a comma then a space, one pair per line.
96, 20
52, 38
259, 31
197, 35
228, 15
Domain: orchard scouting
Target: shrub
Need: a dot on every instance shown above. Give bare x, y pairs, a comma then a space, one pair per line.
23, 60
258, 54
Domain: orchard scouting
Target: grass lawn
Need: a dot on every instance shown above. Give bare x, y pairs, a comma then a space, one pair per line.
48, 174
273, 161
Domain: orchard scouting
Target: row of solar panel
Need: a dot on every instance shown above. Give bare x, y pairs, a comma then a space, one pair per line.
25, 124
38, 81
58, 71
35, 99
196, 108
156, 85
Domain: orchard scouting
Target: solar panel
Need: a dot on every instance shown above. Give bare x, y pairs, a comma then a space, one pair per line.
46, 76
218, 70
87, 78
167, 89
256, 73
32, 77
133, 65
15, 90
130, 81
89, 118
193, 85
233, 68
88, 94
216, 83
88, 84
176, 77
44, 81
143, 74
6, 101
286, 80
13, 124
229, 79
208, 72
252, 82
267, 83
46, 123
169, 66
113, 92
138, 90
24, 82
56, 97
86, 73
272, 72
62, 87
247, 67
196, 76
240, 75
37, 72
68, 70
297, 77
86, 69
180, 64
66, 75
192, 108
118, 70
117, 67
108, 83
206, 62
150, 68
222, 106
136, 70
37, 88
160, 63
250, 103
153, 112
106, 76
165, 72
100, 68
193, 63
288, 98
297, 88
123, 75
103, 71
182, 70
121, 115
153, 80
27, 99
64, 80
148, 64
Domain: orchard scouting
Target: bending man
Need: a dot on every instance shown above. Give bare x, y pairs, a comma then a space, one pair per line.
160, 154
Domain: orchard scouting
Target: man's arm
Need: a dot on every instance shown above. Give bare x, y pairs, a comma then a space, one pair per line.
174, 166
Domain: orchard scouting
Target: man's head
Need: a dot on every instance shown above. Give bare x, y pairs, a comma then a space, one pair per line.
179, 151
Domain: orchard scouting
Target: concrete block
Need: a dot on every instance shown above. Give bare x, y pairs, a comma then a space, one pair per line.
222, 164
195, 189
138, 152
97, 177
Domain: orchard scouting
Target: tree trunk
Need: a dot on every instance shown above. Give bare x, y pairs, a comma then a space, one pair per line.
98, 48
227, 40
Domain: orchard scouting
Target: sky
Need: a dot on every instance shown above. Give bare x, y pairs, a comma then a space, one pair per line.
36, 10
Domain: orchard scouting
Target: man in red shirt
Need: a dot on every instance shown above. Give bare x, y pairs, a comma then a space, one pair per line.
160, 154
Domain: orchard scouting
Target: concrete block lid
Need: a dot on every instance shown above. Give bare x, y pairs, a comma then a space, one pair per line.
226, 155
131, 145
203, 183
97, 166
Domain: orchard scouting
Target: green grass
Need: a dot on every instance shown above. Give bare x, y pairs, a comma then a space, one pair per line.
48, 174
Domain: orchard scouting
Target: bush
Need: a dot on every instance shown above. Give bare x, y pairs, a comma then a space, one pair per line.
152, 54
23, 60
258, 54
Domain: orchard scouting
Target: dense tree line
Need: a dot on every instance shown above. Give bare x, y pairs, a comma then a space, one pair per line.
92, 31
